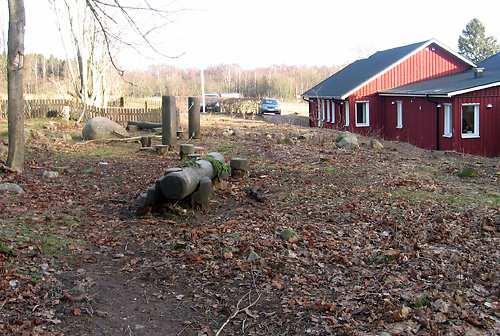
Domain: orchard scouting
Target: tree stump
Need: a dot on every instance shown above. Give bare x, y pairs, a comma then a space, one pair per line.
161, 149
146, 141
239, 167
185, 150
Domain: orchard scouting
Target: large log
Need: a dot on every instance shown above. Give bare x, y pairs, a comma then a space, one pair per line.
181, 184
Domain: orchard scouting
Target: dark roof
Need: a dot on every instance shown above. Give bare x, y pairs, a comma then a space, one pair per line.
449, 85
492, 62
343, 82
355, 74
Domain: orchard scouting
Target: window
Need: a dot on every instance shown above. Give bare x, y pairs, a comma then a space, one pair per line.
362, 114
399, 114
448, 133
470, 121
346, 110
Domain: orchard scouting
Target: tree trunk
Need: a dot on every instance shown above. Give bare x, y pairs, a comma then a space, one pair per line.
15, 65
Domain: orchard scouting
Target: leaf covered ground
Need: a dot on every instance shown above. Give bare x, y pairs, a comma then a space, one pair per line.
400, 241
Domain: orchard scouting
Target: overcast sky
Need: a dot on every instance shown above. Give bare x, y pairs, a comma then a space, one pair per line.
256, 33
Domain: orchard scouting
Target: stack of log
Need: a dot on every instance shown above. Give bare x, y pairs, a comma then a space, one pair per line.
193, 184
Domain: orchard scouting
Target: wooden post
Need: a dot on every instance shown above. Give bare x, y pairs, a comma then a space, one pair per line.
169, 120
194, 117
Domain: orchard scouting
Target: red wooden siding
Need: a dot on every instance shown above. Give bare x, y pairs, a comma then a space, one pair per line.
430, 62
419, 121
423, 122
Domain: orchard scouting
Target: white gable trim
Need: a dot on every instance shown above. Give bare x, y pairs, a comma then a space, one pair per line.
425, 45
476, 88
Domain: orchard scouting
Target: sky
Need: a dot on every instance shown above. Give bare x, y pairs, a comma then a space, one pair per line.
257, 33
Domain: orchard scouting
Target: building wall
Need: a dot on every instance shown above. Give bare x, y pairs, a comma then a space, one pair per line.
423, 122
420, 125
431, 62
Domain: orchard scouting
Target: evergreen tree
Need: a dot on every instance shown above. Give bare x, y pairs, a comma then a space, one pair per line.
474, 44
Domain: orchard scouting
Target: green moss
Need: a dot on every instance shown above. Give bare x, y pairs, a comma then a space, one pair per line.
468, 172
4, 249
421, 302
331, 170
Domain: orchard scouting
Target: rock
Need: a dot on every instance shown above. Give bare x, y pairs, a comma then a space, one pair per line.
253, 256
376, 145
347, 140
228, 132
50, 174
11, 187
102, 128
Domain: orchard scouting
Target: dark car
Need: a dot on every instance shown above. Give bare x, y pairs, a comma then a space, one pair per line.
269, 105
212, 102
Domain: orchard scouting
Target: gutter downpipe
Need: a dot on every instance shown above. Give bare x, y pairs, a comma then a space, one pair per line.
428, 98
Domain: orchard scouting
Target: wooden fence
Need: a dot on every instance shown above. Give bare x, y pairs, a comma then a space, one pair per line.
40, 108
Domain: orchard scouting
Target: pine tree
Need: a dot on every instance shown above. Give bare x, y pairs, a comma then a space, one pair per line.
474, 44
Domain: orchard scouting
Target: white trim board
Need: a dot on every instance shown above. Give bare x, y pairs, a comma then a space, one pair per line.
401, 60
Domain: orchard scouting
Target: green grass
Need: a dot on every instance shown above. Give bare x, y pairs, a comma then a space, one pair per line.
331, 170
421, 302
44, 236
225, 148
467, 172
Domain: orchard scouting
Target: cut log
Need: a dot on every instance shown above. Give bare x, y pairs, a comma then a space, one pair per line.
179, 185
144, 125
161, 149
185, 150
201, 197
239, 167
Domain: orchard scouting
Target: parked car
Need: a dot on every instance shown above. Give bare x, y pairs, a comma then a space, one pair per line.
269, 105
212, 102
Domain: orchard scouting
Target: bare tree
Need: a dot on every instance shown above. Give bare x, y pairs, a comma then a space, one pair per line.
15, 62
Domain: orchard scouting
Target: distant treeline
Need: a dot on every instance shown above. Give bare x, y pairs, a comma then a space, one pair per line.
50, 76
286, 82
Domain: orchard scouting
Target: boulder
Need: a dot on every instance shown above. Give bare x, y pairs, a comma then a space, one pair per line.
102, 128
10, 187
347, 140
376, 145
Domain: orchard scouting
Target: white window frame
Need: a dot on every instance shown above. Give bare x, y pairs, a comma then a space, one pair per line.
319, 109
475, 134
367, 121
399, 114
333, 112
327, 111
346, 111
447, 120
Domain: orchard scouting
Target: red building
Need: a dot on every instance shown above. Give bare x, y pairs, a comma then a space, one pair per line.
378, 95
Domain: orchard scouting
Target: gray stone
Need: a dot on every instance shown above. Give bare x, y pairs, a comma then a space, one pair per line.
376, 145
102, 128
10, 187
347, 140
50, 174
